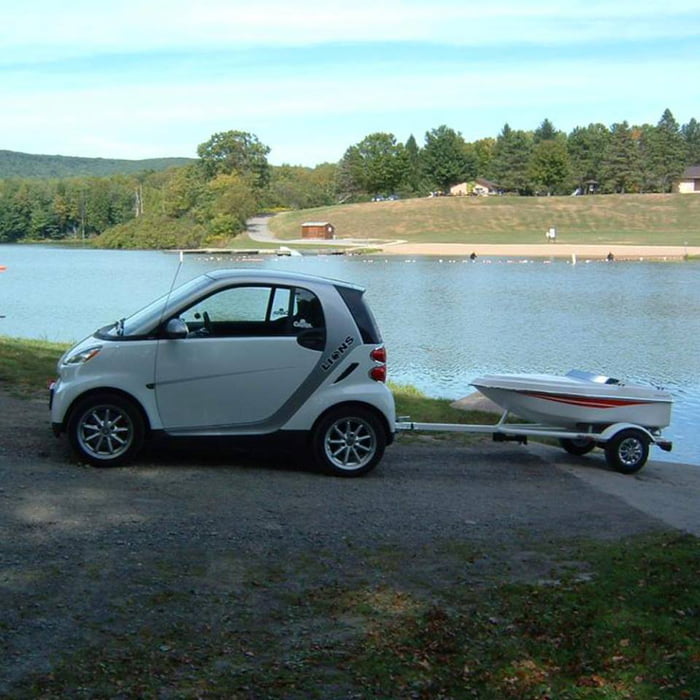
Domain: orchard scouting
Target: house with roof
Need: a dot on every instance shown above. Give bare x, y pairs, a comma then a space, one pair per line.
479, 187
689, 181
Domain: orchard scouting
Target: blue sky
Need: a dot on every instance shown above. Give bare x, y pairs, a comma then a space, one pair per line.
128, 79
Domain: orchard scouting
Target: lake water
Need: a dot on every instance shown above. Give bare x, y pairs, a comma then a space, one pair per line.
444, 321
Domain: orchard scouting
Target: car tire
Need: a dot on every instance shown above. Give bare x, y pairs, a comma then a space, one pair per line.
348, 441
106, 430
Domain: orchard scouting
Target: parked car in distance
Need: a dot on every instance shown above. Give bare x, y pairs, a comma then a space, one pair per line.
237, 353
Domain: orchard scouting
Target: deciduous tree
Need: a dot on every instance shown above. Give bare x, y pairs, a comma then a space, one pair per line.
549, 166
376, 165
484, 150
235, 152
445, 159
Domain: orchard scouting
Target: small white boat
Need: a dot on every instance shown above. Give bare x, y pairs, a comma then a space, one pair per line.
578, 399
284, 251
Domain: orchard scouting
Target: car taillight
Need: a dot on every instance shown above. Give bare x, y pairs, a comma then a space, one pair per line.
378, 373
379, 354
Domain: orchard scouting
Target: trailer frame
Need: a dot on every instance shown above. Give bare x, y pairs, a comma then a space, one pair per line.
626, 445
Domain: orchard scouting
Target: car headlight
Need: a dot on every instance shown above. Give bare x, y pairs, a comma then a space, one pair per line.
83, 356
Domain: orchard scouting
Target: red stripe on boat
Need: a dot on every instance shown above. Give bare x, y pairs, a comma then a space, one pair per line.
588, 401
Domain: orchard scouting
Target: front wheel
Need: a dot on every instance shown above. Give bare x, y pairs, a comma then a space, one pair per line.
627, 451
348, 441
106, 430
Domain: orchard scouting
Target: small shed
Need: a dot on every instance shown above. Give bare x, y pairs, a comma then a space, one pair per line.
689, 180
318, 229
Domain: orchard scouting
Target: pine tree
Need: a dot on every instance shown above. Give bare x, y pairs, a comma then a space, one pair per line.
622, 166
691, 137
511, 160
665, 152
587, 149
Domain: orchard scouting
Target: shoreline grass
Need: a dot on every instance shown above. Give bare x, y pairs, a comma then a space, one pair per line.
27, 366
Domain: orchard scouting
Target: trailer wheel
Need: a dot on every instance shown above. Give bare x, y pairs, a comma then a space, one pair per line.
627, 451
577, 446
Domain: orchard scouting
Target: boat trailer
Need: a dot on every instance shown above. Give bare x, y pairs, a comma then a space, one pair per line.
626, 445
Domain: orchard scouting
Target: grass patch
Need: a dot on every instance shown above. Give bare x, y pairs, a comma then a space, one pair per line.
412, 402
650, 219
629, 630
26, 366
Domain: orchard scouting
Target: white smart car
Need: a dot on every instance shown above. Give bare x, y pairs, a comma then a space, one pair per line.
234, 353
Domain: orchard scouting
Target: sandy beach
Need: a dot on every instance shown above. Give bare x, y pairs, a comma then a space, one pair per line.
544, 250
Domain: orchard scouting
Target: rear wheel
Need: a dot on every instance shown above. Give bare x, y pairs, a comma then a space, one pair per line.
577, 446
348, 441
106, 430
627, 451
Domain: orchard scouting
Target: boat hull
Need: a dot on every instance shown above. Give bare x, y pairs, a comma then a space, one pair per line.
572, 402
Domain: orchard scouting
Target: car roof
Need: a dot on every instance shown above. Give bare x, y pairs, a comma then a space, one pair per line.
276, 276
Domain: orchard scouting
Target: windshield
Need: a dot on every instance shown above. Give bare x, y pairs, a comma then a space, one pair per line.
146, 319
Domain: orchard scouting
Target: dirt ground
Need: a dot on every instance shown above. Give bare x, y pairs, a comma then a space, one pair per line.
199, 535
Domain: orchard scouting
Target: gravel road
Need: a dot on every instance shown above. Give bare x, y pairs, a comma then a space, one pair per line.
86, 554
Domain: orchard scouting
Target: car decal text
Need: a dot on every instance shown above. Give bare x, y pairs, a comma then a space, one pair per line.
338, 353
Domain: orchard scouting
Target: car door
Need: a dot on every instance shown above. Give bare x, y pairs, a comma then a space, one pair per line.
243, 358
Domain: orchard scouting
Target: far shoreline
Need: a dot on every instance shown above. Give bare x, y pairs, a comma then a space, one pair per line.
547, 250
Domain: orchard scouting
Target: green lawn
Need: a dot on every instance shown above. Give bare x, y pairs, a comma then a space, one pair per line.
27, 366
651, 219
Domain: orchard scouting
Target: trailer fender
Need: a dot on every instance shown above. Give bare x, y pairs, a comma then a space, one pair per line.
612, 430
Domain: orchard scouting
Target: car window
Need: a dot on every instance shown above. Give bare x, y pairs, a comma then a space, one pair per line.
254, 311
239, 304
361, 313
307, 311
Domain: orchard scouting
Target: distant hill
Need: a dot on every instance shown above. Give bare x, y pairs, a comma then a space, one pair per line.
16, 164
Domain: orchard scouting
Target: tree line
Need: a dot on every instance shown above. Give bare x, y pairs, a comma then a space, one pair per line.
17, 164
208, 201
203, 203
619, 159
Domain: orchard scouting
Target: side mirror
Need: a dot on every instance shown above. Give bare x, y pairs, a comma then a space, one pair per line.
176, 328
